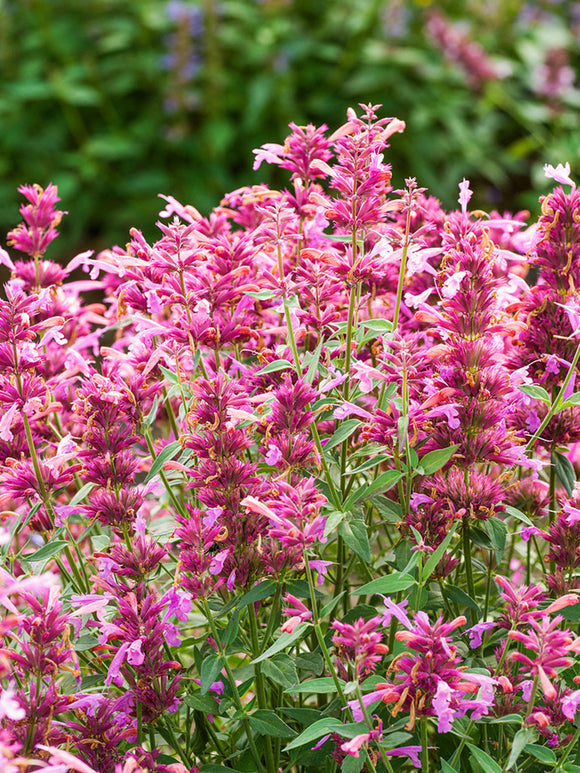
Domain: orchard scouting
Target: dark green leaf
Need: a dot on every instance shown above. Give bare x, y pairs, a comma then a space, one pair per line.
564, 471
368, 464
496, 530
316, 731
541, 753
285, 640
304, 716
48, 550
259, 592
486, 762
210, 668
206, 703
343, 432
268, 723
453, 593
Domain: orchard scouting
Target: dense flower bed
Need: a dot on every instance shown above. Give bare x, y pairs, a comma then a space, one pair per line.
300, 490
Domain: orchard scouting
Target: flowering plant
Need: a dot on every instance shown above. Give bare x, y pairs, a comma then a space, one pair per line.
300, 489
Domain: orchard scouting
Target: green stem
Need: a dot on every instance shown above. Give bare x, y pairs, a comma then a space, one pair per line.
176, 503
556, 404
402, 270
468, 566
424, 746
259, 677
233, 686
571, 746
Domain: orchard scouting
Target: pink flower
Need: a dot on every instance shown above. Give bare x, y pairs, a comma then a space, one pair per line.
561, 174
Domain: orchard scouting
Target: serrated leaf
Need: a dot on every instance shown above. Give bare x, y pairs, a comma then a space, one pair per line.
541, 753
355, 536
315, 731
345, 430
266, 722
535, 391
164, 455
47, 551
564, 471
323, 685
285, 640
435, 460
524, 736
486, 762
389, 584
272, 367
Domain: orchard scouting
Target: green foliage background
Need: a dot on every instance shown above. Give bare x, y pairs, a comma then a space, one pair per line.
90, 100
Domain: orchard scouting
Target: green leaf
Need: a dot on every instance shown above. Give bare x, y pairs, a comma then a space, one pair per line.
344, 431
47, 551
524, 736
211, 767
496, 530
486, 762
259, 592
304, 716
152, 415
354, 534
541, 753
313, 366
384, 482
352, 764
513, 511
261, 295
266, 722
81, 494
327, 608
210, 668
437, 555
169, 375
281, 669
564, 471
535, 391
232, 628
446, 767
378, 325
389, 584
206, 703
285, 640
315, 731
435, 460
509, 719
372, 462
164, 455
323, 685
272, 367
453, 593
333, 521
571, 401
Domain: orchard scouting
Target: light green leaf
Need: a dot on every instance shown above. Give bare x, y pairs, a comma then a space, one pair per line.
272, 367
435, 460
285, 640
535, 391
164, 455
315, 731
389, 584
524, 736
323, 685
437, 555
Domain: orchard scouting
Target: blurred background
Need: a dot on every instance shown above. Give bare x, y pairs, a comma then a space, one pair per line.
116, 101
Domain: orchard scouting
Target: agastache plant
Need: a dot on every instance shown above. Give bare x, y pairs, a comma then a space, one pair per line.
298, 490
